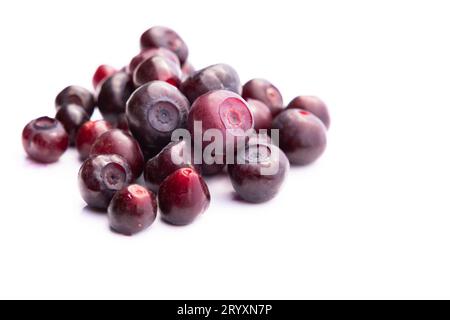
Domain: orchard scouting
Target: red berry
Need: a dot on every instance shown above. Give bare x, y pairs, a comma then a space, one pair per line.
87, 135
45, 140
132, 210
102, 73
183, 196
118, 142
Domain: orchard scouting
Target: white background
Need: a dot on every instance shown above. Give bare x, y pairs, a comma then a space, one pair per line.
370, 219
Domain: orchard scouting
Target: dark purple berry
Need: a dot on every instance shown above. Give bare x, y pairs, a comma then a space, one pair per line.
45, 140
264, 91
119, 142
132, 210
162, 37
215, 77
100, 177
157, 68
303, 136
258, 172
113, 96
162, 165
261, 114
72, 117
154, 111
76, 95
148, 53
314, 105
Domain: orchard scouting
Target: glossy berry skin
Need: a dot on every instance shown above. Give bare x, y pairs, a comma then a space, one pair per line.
76, 95
162, 165
222, 110
132, 210
118, 142
261, 114
45, 140
303, 136
102, 73
266, 92
100, 177
258, 172
72, 117
215, 77
314, 105
88, 133
154, 111
183, 196
113, 96
162, 37
157, 68
148, 53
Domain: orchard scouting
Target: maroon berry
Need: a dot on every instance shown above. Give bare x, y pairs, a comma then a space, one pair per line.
132, 210
314, 105
76, 95
100, 177
215, 77
87, 135
157, 68
162, 37
154, 111
148, 53
113, 96
222, 110
302, 135
118, 142
102, 73
45, 140
258, 172
261, 114
264, 91
183, 196
72, 117
161, 166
